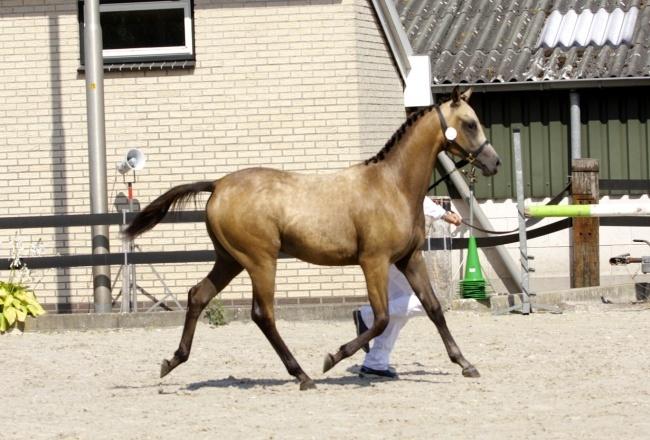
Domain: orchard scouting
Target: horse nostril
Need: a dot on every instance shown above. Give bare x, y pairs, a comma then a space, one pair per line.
498, 161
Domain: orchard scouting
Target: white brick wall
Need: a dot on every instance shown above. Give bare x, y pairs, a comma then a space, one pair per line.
296, 85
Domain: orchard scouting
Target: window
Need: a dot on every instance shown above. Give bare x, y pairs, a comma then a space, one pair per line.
144, 31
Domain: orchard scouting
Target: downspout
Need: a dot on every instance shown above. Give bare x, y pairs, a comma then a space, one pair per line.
97, 150
416, 74
574, 121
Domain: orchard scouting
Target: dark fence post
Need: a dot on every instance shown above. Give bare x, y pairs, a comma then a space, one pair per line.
584, 253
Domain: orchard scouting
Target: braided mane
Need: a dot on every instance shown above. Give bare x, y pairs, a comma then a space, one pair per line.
395, 138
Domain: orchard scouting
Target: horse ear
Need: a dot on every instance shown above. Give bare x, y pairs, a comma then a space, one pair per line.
455, 95
466, 94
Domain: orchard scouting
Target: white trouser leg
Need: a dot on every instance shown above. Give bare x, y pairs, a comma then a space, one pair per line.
401, 306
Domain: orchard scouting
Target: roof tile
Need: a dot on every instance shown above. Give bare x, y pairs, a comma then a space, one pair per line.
501, 40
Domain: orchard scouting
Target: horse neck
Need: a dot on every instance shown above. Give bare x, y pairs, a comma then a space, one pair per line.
415, 156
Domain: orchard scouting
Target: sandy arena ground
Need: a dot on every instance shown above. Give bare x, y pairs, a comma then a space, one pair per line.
579, 375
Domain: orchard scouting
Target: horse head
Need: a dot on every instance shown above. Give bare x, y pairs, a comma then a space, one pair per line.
464, 133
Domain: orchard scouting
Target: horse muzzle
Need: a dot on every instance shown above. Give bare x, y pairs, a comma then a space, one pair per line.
488, 161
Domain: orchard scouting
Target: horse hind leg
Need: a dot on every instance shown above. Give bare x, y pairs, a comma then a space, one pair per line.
198, 297
262, 314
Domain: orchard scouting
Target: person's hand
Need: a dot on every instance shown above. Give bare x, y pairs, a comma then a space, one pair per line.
452, 217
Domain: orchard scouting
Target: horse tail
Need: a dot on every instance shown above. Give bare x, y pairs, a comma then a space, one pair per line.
174, 198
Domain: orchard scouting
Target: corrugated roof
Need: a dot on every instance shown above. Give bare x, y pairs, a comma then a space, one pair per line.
498, 41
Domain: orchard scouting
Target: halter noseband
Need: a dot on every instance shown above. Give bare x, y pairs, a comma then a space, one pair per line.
469, 156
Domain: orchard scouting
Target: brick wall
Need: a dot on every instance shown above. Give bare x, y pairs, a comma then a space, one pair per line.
306, 86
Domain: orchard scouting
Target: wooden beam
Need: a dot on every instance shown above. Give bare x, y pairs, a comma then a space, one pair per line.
584, 250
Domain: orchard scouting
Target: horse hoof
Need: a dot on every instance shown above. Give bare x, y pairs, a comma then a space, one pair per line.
329, 362
165, 368
471, 372
307, 385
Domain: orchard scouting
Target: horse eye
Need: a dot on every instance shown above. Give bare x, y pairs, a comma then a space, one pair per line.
471, 125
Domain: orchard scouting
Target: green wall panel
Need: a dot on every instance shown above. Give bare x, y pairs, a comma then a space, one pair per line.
614, 129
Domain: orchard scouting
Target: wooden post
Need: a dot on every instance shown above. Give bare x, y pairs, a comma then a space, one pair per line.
585, 261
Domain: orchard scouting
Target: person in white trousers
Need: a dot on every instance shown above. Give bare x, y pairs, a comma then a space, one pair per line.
402, 304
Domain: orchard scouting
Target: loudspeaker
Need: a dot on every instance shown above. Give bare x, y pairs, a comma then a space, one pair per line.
133, 161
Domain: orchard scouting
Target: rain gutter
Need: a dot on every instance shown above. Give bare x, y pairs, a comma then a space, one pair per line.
594, 83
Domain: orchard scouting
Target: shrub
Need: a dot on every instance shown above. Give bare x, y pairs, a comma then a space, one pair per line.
215, 313
16, 302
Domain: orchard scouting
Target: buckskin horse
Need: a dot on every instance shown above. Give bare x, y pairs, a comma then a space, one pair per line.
369, 214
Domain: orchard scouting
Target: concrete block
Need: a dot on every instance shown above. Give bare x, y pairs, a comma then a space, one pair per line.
566, 298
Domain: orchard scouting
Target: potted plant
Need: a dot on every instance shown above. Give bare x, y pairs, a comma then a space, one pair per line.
17, 299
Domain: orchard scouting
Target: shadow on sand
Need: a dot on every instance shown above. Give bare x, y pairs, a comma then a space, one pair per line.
354, 380
420, 376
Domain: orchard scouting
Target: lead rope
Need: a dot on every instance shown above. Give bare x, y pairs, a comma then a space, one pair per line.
471, 176
461, 163
450, 138
530, 222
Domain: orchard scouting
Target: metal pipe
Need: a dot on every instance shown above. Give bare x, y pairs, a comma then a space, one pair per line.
523, 245
574, 122
498, 256
94, 72
126, 277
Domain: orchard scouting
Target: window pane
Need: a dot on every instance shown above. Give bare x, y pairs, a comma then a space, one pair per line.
133, 29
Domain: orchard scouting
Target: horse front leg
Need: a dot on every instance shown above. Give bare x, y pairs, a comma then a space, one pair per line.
416, 273
197, 298
376, 274
262, 313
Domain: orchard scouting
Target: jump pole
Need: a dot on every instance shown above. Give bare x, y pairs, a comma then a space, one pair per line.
613, 210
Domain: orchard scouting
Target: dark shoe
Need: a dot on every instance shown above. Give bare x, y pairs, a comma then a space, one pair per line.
366, 371
360, 326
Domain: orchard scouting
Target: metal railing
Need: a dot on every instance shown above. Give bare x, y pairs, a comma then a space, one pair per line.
195, 256
131, 255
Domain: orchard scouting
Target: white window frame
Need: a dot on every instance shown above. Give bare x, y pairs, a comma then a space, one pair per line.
140, 52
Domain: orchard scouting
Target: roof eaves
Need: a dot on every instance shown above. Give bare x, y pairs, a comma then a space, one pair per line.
545, 85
